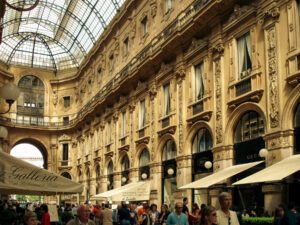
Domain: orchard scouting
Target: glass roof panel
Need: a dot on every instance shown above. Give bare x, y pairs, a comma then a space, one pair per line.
55, 34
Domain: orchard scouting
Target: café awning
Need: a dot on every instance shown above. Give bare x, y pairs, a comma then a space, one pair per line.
275, 172
20, 177
135, 191
219, 176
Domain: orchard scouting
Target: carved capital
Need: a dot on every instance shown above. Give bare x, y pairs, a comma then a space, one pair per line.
272, 13
180, 75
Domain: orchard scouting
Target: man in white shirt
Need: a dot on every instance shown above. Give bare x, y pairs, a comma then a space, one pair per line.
224, 215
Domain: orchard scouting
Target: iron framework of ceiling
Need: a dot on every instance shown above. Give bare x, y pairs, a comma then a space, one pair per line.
55, 35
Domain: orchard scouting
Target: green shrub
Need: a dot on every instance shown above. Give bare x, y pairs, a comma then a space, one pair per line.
258, 221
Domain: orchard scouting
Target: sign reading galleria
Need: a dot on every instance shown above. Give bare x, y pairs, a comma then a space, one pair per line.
20, 175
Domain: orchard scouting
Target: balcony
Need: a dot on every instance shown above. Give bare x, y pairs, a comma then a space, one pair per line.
30, 111
200, 110
185, 20
168, 124
293, 76
249, 89
143, 135
65, 164
124, 144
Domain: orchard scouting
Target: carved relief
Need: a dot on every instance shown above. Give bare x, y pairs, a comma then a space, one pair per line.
273, 76
55, 98
152, 94
219, 126
180, 77
153, 6
64, 137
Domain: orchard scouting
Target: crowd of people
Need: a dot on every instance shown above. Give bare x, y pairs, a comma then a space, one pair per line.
133, 214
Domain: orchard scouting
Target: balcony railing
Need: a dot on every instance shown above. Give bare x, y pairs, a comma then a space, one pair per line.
248, 89
183, 19
30, 111
243, 87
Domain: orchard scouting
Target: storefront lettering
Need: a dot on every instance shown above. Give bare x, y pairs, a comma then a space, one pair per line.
21, 174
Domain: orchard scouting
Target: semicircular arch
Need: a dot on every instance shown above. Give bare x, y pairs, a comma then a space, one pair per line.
290, 108
236, 115
191, 134
160, 146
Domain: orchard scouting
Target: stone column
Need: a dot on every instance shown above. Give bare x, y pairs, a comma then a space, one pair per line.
156, 185
214, 197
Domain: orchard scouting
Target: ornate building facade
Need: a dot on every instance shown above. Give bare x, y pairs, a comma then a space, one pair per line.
169, 86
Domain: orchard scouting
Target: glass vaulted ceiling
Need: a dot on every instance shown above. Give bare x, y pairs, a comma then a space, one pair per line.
55, 35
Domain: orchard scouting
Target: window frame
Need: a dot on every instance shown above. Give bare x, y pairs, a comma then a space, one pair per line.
201, 80
244, 40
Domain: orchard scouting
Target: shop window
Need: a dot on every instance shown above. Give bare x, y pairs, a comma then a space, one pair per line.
244, 55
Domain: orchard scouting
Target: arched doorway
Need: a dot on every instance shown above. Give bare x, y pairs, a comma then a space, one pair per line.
144, 168
169, 182
248, 141
31, 151
201, 150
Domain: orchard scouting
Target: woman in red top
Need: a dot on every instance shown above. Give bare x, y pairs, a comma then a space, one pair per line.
45, 215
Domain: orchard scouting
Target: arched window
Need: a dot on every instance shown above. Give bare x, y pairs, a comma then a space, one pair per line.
297, 130
144, 161
30, 104
250, 126
202, 141
66, 175
97, 172
169, 151
110, 168
144, 158
110, 178
125, 163
297, 117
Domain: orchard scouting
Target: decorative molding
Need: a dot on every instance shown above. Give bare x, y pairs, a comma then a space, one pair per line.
143, 140
252, 96
153, 8
272, 13
272, 61
239, 14
205, 115
219, 125
167, 130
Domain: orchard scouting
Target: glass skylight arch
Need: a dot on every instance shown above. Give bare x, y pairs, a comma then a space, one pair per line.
55, 35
